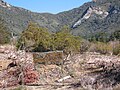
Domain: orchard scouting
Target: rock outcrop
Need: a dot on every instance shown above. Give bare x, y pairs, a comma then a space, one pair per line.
89, 12
4, 4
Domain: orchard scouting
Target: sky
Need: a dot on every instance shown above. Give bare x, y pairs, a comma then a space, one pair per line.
50, 6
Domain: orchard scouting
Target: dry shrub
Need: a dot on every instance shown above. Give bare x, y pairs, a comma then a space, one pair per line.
112, 47
85, 45
100, 47
103, 48
115, 47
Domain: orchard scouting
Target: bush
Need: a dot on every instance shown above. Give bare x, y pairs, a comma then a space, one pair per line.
63, 40
41, 40
100, 47
103, 48
112, 47
85, 46
37, 37
116, 49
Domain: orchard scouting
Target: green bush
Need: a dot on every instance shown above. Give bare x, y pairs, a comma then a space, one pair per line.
37, 37
63, 40
41, 40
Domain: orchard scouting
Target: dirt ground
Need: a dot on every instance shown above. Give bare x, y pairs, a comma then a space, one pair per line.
88, 71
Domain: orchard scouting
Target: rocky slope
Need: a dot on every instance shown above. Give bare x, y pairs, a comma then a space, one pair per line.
87, 20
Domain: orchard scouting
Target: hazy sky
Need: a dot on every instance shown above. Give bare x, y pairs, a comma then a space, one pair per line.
51, 6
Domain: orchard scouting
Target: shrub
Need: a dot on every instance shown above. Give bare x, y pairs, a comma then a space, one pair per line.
63, 40
41, 40
103, 48
100, 47
116, 49
85, 46
37, 37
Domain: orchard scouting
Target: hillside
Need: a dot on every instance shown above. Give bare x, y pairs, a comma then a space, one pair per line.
4, 32
43, 51
102, 16
87, 20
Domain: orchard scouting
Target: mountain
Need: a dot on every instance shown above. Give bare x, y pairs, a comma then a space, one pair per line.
97, 16
18, 18
102, 16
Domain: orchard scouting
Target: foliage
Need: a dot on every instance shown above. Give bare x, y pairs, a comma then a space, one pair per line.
116, 49
4, 34
35, 36
103, 48
112, 47
115, 35
65, 40
85, 46
17, 18
101, 37
42, 40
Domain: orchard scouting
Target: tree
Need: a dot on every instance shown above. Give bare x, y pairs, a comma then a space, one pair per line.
65, 40
42, 40
35, 36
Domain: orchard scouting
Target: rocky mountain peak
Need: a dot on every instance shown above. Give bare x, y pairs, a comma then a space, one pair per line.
4, 4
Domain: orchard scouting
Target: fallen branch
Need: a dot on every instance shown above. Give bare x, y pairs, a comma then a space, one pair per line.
64, 78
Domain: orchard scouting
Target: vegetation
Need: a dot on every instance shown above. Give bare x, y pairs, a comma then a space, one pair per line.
35, 36
38, 39
18, 19
116, 49
115, 36
65, 40
41, 40
103, 48
4, 34
104, 37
